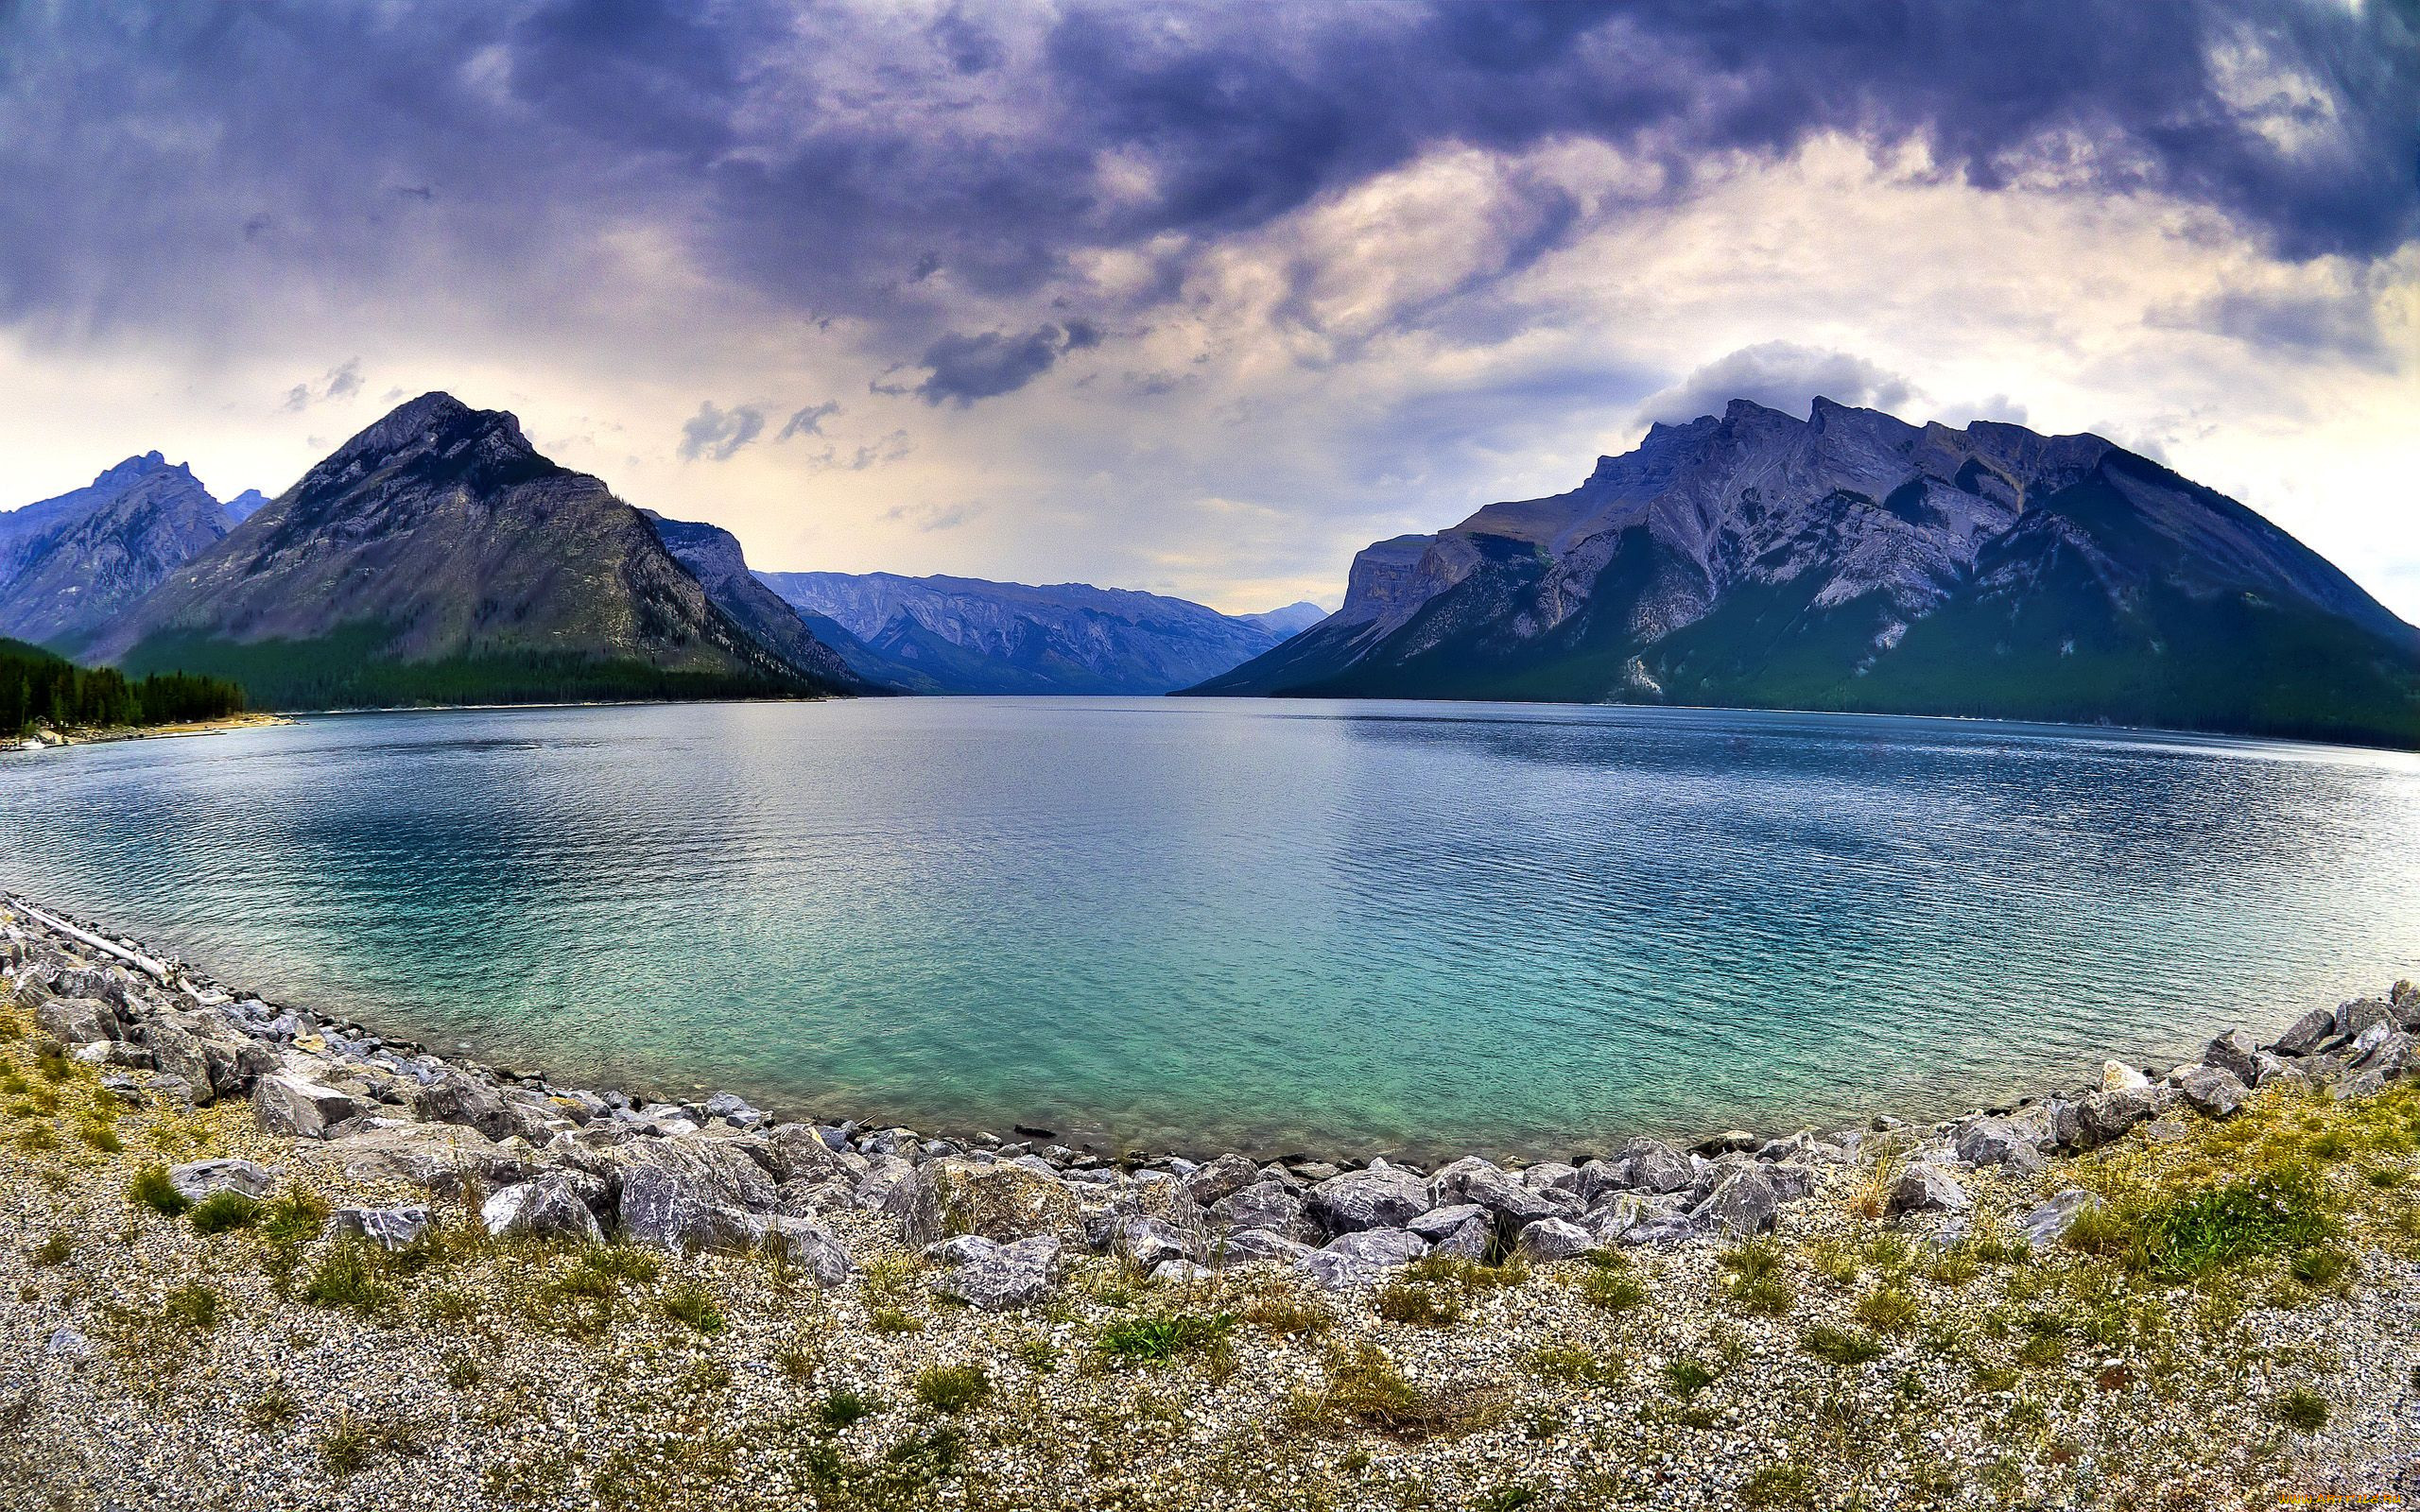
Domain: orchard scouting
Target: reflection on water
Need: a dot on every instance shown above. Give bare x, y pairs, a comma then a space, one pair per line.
1275, 924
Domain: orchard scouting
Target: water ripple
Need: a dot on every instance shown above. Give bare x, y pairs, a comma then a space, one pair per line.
1275, 924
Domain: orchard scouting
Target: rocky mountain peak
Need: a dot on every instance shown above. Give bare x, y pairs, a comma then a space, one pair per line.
434, 436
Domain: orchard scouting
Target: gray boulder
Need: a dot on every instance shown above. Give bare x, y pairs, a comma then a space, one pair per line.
77, 1021
1471, 1180
1222, 1178
1926, 1188
201, 1179
445, 1159
2213, 1091
2362, 1014
1792, 1180
692, 1195
1553, 1176
1652, 1166
2106, 1115
2359, 1084
1437, 1223
284, 1103
1555, 1238
1379, 1247
999, 1200
1471, 1239
1998, 1141
2045, 1224
996, 1277
811, 1248
736, 1110
1263, 1204
2307, 1033
1245, 1247
1148, 1241
2231, 1052
1338, 1272
1179, 1273
1743, 1203
1381, 1197
387, 1228
555, 1206
884, 1175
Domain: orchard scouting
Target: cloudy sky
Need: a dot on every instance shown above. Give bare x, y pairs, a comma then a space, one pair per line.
1202, 298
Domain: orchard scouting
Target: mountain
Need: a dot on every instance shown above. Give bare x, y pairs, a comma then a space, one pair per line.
714, 557
68, 564
967, 635
437, 557
1853, 561
1291, 621
246, 504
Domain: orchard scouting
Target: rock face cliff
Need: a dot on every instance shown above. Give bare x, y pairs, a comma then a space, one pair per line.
715, 557
68, 564
968, 635
1853, 561
437, 557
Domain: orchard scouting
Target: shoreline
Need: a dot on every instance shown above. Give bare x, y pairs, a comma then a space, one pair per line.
1101, 1140
346, 1039
262, 1254
251, 719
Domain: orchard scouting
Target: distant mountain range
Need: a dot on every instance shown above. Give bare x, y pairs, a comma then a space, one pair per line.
968, 635
1846, 561
1853, 561
437, 557
71, 563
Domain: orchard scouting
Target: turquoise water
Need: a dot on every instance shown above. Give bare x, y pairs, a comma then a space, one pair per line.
1278, 925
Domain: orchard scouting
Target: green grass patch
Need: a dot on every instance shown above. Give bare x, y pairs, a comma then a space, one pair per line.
221, 1211
1842, 1346
153, 1188
696, 1306
1162, 1336
953, 1387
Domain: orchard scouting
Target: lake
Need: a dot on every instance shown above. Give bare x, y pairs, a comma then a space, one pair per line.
1270, 925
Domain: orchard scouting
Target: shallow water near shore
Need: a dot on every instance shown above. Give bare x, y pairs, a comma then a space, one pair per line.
1205, 923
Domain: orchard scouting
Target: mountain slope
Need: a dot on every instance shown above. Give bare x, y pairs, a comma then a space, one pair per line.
1292, 620
714, 557
968, 635
68, 564
1852, 561
437, 557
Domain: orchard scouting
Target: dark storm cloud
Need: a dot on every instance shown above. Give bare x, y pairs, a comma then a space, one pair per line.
216, 159
717, 433
809, 420
968, 368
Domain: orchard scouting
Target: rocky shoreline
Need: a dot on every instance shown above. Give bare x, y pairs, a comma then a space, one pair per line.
400, 1152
